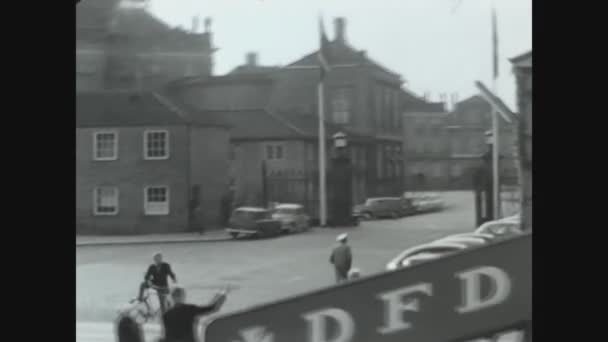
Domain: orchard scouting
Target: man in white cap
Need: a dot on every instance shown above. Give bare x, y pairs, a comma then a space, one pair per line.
341, 258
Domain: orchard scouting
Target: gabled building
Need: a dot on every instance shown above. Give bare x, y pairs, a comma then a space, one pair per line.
121, 45
363, 99
145, 164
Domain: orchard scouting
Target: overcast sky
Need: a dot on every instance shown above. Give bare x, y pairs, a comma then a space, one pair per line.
435, 49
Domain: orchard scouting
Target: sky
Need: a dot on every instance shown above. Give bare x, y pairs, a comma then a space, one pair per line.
435, 48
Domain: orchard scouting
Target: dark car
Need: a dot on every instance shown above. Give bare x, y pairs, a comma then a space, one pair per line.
253, 221
383, 207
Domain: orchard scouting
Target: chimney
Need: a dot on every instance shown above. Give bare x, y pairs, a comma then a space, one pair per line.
195, 24
252, 59
340, 29
207, 25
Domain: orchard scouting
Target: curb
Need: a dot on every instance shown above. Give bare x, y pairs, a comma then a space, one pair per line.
151, 242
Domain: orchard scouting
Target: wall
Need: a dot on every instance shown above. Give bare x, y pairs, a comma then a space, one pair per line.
209, 168
90, 64
131, 173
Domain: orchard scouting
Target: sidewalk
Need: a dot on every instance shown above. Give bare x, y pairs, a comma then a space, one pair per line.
109, 240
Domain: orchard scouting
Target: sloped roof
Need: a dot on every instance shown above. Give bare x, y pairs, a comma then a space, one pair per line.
255, 124
120, 109
340, 53
253, 70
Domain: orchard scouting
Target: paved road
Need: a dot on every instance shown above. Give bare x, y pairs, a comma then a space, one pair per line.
259, 270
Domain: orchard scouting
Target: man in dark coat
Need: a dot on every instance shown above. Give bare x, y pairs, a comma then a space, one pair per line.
180, 321
156, 277
341, 258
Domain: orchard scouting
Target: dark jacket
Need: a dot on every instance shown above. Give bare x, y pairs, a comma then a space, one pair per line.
158, 275
341, 257
127, 330
180, 320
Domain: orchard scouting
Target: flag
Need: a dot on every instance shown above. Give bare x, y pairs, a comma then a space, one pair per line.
494, 44
323, 50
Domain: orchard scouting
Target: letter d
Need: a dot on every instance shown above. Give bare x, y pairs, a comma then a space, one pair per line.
471, 284
317, 325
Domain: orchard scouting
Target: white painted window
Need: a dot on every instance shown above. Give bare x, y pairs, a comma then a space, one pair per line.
274, 151
105, 200
156, 144
156, 200
105, 145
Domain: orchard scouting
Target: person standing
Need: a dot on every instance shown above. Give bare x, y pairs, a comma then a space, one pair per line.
180, 321
156, 277
341, 258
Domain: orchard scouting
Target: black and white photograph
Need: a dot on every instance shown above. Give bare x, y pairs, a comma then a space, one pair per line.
303, 171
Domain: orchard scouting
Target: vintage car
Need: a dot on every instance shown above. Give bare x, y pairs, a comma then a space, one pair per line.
503, 228
253, 221
423, 253
425, 202
383, 207
292, 216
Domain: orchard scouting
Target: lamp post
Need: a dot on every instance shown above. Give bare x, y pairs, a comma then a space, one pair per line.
341, 184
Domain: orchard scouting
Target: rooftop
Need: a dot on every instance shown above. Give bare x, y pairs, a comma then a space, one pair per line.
119, 109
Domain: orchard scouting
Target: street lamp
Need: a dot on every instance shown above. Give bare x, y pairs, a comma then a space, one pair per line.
340, 140
342, 182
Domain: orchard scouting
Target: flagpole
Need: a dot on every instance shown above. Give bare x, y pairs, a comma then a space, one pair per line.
322, 158
495, 123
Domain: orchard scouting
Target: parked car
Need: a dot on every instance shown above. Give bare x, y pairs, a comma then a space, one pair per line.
502, 228
425, 202
424, 252
253, 221
470, 240
292, 216
381, 207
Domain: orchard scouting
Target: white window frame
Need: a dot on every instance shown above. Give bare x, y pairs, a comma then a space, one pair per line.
167, 143
96, 212
274, 148
341, 107
147, 212
97, 133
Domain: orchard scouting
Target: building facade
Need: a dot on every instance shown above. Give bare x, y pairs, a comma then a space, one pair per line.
443, 149
362, 99
144, 166
122, 46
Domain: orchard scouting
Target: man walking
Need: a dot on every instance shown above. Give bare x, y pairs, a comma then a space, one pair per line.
341, 258
156, 277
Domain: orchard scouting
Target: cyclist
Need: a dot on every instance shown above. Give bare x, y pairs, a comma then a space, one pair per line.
156, 277
179, 321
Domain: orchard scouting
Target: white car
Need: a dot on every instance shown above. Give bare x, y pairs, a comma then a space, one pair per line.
506, 227
292, 217
470, 239
425, 201
424, 252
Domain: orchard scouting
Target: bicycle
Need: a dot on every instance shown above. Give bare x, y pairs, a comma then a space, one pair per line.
150, 311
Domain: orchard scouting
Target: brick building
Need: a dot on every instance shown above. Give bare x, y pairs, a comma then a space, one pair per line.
122, 46
147, 165
363, 99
